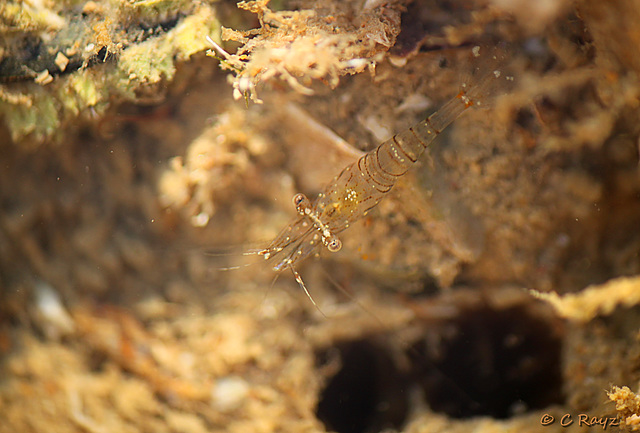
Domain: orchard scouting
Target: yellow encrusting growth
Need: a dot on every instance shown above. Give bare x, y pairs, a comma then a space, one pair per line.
628, 406
597, 300
117, 51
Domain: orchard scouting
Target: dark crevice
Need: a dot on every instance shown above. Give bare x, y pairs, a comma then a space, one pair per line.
490, 362
482, 362
368, 394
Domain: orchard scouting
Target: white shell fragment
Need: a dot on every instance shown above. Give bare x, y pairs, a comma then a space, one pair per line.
228, 393
51, 315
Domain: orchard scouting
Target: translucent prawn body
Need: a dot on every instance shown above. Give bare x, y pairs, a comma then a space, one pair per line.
361, 185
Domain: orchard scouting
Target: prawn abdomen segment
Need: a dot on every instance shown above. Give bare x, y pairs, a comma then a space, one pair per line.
362, 184
394, 157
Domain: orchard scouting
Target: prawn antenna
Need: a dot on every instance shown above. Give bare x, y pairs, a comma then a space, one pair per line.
304, 287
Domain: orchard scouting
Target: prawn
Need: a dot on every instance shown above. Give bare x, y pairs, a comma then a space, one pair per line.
361, 185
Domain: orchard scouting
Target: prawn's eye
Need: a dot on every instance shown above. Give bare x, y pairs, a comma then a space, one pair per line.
301, 202
298, 199
334, 245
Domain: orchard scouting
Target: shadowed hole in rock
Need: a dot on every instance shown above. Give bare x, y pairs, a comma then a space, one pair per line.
483, 361
369, 393
490, 361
